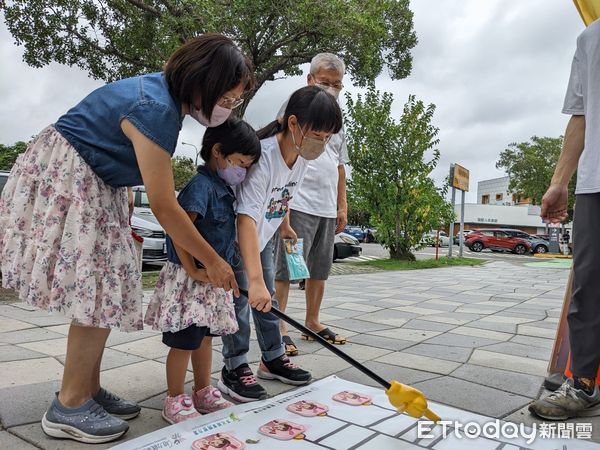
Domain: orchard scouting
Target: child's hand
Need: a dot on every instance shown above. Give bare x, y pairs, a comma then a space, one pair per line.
200, 275
287, 232
221, 275
259, 298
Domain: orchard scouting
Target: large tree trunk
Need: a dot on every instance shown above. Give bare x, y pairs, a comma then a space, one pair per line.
402, 254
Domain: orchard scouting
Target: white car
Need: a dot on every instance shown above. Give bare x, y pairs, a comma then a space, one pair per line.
430, 239
143, 222
345, 246
3, 178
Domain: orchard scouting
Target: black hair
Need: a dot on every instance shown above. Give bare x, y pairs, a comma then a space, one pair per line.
206, 67
314, 108
233, 136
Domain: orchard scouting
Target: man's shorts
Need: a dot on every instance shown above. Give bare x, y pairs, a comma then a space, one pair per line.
319, 235
189, 338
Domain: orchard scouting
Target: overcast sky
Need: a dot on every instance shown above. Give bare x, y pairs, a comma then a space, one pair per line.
495, 69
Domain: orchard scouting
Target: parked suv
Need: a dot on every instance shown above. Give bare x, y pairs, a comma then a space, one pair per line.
498, 240
143, 222
3, 177
538, 245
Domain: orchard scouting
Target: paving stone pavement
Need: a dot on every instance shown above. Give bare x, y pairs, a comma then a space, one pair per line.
476, 338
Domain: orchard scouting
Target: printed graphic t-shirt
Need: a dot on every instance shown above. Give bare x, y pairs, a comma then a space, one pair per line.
269, 187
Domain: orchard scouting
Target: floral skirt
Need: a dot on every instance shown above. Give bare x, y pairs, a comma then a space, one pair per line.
179, 302
65, 240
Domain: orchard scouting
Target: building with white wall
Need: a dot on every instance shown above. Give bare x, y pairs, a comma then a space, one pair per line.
522, 217
497, 207
496, 192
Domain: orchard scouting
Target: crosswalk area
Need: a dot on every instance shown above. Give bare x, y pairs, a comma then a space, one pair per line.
358, 259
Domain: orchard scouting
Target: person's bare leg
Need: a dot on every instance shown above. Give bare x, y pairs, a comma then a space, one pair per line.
84, 354
177, 364
202, 363
282, 291
96, 374
315, 289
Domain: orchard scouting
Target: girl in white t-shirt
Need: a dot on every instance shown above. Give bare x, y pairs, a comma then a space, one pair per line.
311, 117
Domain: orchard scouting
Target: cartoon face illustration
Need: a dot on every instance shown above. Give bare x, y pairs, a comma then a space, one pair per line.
223, 441
353, 398
308, 408
278, 208
282, 429
289, 246
285, 198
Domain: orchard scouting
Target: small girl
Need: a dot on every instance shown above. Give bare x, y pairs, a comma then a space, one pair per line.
185, 307
310, 118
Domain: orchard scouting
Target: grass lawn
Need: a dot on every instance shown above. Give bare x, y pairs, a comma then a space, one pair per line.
149, 279
392, 264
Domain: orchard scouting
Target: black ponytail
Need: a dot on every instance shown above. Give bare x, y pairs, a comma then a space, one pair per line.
270, 130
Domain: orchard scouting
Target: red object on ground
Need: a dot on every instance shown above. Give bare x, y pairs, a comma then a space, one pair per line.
569, 374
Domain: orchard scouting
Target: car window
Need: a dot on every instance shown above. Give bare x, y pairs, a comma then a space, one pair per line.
142, 200
2, 182
500, 234
487, 233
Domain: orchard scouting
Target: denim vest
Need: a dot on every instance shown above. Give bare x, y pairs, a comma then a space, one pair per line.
207, 195
93, 127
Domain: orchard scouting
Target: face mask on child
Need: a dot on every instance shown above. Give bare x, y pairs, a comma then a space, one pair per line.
310, 148
232, 175
219, 116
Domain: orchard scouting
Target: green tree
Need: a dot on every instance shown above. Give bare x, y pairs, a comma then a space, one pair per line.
358, 213
391, 162
9, 153
183, 170
113, 39
530, 166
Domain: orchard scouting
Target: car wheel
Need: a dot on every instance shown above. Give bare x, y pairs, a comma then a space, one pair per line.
476, 247
520, 249
541, 249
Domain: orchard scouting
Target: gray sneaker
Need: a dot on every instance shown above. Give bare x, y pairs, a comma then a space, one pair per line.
89, 423
567, 402
116, 406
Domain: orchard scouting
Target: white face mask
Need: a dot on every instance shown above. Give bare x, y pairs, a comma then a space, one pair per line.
219, 116
330, 90
333, 91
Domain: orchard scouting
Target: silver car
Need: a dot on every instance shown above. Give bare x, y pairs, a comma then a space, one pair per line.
143, 222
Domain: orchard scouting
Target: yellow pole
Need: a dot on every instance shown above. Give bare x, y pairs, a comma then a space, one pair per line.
589, 10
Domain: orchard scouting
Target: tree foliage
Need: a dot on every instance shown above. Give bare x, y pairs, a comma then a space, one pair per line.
9, 154
530, 166
113, 39
358, 213
183, 171
391, 162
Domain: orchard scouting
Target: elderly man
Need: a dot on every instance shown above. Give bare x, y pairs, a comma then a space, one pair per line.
580, 396
318, 211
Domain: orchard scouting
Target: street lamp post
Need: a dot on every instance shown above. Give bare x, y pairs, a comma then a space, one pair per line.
195, 148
